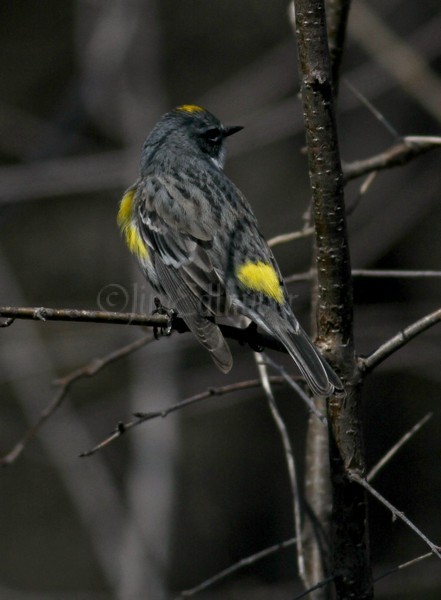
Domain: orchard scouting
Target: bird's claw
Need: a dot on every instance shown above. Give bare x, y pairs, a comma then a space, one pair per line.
161, 330
252, 338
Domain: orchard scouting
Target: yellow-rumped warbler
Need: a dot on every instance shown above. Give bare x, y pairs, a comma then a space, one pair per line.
198, 242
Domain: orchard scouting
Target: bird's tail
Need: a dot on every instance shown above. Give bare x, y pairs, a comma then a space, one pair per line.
210, 336
320, 377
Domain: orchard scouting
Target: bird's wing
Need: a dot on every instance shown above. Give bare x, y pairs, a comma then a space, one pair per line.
181, 204
195, 313
175, 224
178, 226
173, 219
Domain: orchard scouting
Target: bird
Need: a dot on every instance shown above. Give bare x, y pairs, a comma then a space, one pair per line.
199, 245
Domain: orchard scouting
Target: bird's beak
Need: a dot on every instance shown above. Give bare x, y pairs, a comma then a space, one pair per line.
232, 129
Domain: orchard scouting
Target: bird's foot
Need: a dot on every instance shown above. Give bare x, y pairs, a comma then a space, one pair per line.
252, 338
162, 310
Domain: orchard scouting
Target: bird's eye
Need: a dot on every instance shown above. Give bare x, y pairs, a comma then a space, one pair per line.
213, 135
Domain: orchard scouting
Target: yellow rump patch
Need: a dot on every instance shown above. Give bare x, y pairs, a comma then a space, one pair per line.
261, 277
190, 108
125, 220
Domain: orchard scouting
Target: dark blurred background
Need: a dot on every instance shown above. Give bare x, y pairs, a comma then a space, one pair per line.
179, 499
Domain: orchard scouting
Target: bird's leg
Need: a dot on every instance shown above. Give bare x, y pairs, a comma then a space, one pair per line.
162, 310
252, 337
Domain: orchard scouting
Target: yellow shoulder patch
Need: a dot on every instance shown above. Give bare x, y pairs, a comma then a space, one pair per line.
190, 108
126, 221
260, 277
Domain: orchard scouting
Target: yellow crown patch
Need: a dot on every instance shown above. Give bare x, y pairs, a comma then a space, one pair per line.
190, 108
260, 277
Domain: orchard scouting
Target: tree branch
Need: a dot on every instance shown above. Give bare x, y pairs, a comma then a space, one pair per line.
372, 273
410, 69
402, 152
290, 463
350, 549
42, 313
244, 562
399, 340
395, 273
297, 389
337, 13
142, 417
395, 512
334, 276
64, 384
284, 238
402, 566
245, 336
396, 447
317, 586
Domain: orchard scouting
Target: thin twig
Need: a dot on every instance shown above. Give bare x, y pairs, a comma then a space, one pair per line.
373, 273
64, 384
289, 457
307, 276
244, 562
284, 238
391, 453
402, 61
373, 109
41, 313
395, 512
317, 586
364, 188
296, 387
402, 152
337, 13
409, 563
142, 417
395, 273
399, 340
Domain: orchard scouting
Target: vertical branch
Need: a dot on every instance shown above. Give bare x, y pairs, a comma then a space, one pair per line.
289, 456
337, 12
333, 261
316, 531
350, 552
318, 493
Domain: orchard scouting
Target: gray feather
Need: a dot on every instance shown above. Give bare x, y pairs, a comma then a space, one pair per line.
318, 374
186, 301
320, 377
